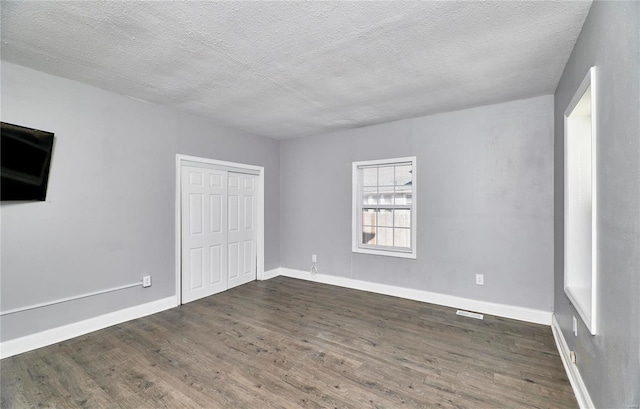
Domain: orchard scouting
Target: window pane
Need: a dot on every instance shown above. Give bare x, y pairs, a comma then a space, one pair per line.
402, 238
403, 195
369, 195
400, 199
384, 236
385, 217
402, 218
385, 176
403, 198
385, 195
409, 198
368, 217
370, 177
368, 235
404, 175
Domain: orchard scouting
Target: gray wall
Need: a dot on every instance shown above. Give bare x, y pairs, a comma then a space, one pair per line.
109, 215
485, 186
610, 361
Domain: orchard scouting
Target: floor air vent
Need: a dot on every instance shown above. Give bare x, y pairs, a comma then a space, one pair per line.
470, 314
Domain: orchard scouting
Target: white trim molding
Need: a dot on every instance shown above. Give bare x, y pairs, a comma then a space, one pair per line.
53, 336
581, 201
270, 274
484, 307
579, 388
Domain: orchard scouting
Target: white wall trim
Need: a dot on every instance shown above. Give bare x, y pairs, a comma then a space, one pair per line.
584, 298
579, 388
52, 336
178, 231
500, 310
270, 274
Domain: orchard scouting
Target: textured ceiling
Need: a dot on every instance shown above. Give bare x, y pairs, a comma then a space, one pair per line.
287, 69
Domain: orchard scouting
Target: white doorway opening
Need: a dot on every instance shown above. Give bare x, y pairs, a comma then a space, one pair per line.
219, 226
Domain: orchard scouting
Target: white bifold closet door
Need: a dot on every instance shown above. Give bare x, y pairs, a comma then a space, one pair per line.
218, 231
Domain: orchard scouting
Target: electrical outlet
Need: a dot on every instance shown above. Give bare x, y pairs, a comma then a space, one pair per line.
480, 279
575, 326
146, 281
314, 258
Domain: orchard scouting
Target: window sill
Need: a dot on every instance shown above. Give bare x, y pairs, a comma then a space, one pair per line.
388, 253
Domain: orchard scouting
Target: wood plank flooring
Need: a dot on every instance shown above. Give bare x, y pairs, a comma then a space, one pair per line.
287, 343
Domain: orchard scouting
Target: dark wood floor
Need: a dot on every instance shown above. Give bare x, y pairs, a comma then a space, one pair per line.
288, 343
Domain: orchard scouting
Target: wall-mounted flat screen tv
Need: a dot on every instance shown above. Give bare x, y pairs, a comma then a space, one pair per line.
25, 156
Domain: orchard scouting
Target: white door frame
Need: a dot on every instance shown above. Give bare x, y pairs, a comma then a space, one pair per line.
180, 160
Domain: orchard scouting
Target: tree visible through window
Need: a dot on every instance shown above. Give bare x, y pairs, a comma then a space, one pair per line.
384, 201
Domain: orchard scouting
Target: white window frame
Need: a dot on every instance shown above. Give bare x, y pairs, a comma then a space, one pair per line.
356, 227
580, 284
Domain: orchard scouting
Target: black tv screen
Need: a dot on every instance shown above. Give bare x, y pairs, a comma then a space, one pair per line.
24, 162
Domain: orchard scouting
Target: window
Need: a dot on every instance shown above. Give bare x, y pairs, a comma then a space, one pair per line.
580, 245
384, 200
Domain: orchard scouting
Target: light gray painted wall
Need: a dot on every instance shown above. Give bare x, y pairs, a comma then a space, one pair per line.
485, 186
109, 215
610, 361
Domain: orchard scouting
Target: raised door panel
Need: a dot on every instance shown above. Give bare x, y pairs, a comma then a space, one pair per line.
234, 261
215, 267
196, 268
215, 212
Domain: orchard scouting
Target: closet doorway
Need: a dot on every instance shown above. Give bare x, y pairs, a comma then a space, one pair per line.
219, 226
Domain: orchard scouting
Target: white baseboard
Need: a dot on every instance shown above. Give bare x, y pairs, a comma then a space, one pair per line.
500, 310
271, 274
52, 336
579, 388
